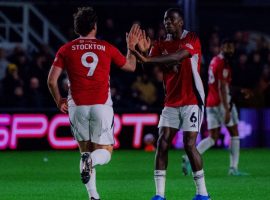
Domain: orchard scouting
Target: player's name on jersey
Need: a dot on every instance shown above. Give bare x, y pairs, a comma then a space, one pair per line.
88, 46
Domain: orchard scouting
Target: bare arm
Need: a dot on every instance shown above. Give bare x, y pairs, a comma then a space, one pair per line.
164, 59
223, 97
52, 82
130, 64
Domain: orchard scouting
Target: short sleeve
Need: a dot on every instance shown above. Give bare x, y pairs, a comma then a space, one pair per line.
117, 57
155, 50
59, 60
192, 44
223, 72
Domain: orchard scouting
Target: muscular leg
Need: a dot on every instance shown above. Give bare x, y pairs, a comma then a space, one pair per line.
195, 161
96, 155
191, 150
166, 135
208, 142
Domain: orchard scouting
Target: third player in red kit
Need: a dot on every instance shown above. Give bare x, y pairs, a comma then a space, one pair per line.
218, 71
220, 108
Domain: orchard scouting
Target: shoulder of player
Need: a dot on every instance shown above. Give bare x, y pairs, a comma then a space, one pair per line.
67, 45
192, 35
107, 44
159, 43
104, 42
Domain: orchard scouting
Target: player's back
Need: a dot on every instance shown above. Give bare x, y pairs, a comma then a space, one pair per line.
214, 76
87, 62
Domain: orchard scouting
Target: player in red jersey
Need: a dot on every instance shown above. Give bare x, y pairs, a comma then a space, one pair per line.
180, 56
219, 107
87, 62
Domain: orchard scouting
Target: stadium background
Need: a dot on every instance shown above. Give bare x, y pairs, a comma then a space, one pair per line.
25, 60
38, 157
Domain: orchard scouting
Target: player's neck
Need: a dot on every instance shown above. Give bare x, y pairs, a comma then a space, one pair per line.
91, 35
177, 35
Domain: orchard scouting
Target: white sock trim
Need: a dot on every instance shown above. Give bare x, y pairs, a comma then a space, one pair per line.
160, 179
200, 183
91, 185
234, 152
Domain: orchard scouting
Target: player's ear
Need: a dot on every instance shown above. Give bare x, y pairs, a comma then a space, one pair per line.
181, 22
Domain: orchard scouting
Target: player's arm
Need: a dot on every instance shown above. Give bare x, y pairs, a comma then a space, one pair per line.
52, 82
130, 64
164, 59
224, 87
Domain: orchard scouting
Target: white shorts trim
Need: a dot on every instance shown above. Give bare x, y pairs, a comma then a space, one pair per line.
215, 117
187, 118
92, 123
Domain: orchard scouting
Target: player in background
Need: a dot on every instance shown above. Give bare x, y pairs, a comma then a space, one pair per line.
220, 108
180, 56
87, 62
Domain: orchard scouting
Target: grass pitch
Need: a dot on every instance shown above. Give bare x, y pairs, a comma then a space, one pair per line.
54, 175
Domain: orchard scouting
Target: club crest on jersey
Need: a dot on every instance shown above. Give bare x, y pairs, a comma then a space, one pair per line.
189, 46
225, 73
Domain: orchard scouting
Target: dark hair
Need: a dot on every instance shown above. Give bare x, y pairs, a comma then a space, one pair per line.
176, 10
84, 20
227, 41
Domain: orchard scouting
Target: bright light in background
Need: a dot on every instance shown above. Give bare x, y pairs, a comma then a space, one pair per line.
17, 126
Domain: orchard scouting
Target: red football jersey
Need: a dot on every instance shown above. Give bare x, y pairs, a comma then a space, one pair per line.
182, 82
218, 71
87, 62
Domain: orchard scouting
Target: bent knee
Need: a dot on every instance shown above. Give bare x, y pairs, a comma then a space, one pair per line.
106, 147
163, 143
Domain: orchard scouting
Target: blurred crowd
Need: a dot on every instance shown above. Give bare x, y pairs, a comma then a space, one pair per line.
23, 74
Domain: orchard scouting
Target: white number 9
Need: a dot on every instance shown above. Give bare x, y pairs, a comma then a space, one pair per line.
91, 65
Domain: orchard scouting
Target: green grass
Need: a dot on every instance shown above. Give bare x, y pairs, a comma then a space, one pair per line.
129, 176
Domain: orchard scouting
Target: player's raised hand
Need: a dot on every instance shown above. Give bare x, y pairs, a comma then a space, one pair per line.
62, 105
132, 38
144, 42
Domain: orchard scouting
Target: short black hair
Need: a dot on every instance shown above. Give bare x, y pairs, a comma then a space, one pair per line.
176, 10
84, 20
227, 41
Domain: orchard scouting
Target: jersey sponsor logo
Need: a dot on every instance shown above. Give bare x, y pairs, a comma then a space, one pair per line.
164, 52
